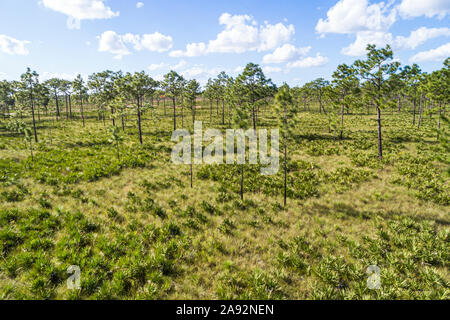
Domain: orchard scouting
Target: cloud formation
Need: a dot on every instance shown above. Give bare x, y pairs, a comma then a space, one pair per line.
308, 62
363, 38
78, 10
241, 34
352, 16
427, 8
370, 23
439, 54
113, 43
286, 53
420, 36
110, 41
13, 46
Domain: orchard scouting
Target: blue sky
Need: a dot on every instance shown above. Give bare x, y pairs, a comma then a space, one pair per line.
294, 41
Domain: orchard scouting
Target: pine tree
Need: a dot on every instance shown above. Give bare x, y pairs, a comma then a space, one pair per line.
377, 70
286, 111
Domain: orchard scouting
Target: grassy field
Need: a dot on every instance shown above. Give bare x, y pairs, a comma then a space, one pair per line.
138, 231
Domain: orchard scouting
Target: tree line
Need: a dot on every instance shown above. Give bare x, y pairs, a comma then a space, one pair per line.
377, 82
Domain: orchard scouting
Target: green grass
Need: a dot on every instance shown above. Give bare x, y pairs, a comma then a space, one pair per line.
138, 231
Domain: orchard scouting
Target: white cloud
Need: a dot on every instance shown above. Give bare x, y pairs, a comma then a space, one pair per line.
241, 34
177, 54
369, 22
3, 75
139, 5
381, 38
420, 36
197, 71
78, 10
192, 50
286, 53
428, 8
351, 16
358, 48
439, 54
157, 42
272, 36
13, 46
113, 43
308, 62
179, 65
134, 39
156, 66
269, 69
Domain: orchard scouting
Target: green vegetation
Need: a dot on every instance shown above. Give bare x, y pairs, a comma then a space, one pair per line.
105, 196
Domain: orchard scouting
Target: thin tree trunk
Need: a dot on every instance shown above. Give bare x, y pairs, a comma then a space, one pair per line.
57, 106
182, 116
342, 123
67, 107
414, 112
254, 117
139, 120
320, 104
70, 106
112, 117
324, 109
174, 115
81, 110
420, 112
380, 146
32, 111
223, 112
